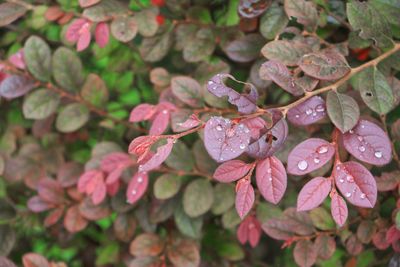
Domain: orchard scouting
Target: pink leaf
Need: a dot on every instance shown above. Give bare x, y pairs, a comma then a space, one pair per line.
84, 38
142, 112
271, 179
305, 254
309, 156
74, 30
88, 181
244, 197
137, 187
249, 230
34, 260
140, 146
51, 191
114, 161
393, 234
255, 126
17, 59
225, 140
246, 103
308, 112
339, 209
157, 159
102, 34
36, 204
190, 123
112, 189
231, 171
356, 183
369, 143
99, 193
87, 3
160, 122
313, 193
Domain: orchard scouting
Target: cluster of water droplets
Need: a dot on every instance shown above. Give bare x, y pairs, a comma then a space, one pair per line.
303, 164
139, 180
314, 111
348, 178
363, 144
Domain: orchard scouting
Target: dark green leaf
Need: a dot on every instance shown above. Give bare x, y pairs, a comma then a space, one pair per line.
167, 186
198, 197
7, 239
245, 49
273, 22
95, 90
181, 158
186, 225
188, 90
40, 104
155, 48
72, 117
343, 111
224, 198
37, 56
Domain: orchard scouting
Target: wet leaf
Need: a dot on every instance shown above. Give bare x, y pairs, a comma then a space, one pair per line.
313, 193
343, 110
287, 52
231, 171
308, 112
244, 198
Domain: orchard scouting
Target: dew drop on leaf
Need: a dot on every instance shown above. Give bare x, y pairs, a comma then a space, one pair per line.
317, 160
361, 148
348, 194
242, 146
320, 108
378, 154
322, 149
349, 178
302, 165
309, 111
362, 196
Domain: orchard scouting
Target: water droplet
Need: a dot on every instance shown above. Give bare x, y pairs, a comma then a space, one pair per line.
220, 139
133, 192
338, 168
221, 158
140, 167
317, 160
242, 146
269, 170
351, 131
314, 114
378, 154
361, 148
219, 128
140, 180
349, 178
246, 130
341, 180
322, 149
165, 111
227, 121
309, 111
360, 138
210, 82
175, 141
362, 196
362, 126
270, 179
297, 116
320, 108
302, 165
348, 194
241, 126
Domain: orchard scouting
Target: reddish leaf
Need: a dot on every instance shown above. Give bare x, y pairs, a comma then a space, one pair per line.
184, 253
339, 209
157, 159
146, 245
190, 123
124, 227
99, 193
93, 212
309, 156
142, 112
393, 234
115, 163
369, 143
388, 181
365, 230
160, 122
255, 125
300, 222
279, 229
79, 32
84, 38
271, 179
34, 260
53, 217
102, 34
356, 183
251, 9
87, 3
137, 187
231, 171
379, 239
305, 253
15, 86
244, 197
313, 193
53, 13
68, 174
17, 59
89, 180
73, 220
325, 246
246, 103
249, 230
225, 140
353, 245
36, 204
51, 191
140, 146
308, 112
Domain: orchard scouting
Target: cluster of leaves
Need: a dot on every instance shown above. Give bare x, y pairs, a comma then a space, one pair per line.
247, 117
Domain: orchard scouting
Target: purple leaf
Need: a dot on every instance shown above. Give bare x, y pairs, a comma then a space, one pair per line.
249, 230
356, 183
160, 123
271, 179
255, 126
137, 187
188, 122
159, 157
369, 143
308, 112
244, 197
51, 191
142, 112
15, 86
309, 156
231, 171
339, 209
270, 142
279, 73
313, 193
305, 254
279, 229
251, 9
36, 204
225, 140
246, 103
114, 161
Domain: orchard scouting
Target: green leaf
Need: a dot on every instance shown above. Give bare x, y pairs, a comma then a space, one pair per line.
67, 69
95, 90
124, 29
230, 219
7, 239
322, 219
372, 24
72, 117
198, 197
201, 46
343, 111
390, 9
181, 158
375, 90
37, 56
40, 104
7, 211
156, 48
224, 198
146, 22
107, 254
246, 48
273, 22
104, 11
230, 251
167, 186
188, 90
287, 52
10, 12
190, 227
304, 11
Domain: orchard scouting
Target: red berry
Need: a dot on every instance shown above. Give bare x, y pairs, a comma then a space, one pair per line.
158, 2
160, 19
